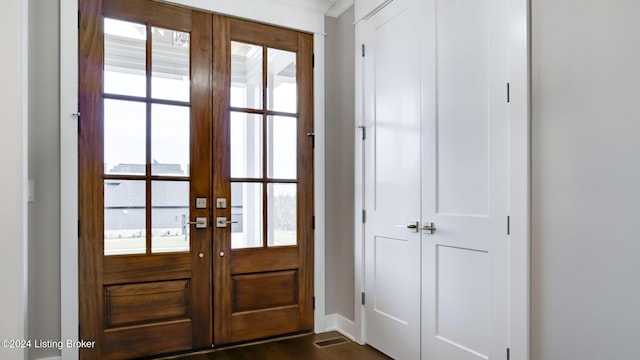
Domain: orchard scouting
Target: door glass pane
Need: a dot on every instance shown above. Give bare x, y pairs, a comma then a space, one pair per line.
170, 216
125, 137
246, 145
282, 88
246, 209
246, 75
282, 147
170, 140
124, 217
125, 53
282, 219
170, 64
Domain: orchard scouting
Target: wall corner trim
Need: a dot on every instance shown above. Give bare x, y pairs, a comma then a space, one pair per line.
339, 323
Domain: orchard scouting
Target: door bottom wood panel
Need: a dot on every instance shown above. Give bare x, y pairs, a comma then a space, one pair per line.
133, 304
264, 290
251, 325
147, 340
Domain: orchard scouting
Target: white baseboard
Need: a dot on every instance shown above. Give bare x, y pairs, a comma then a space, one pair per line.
51, 358
339, 323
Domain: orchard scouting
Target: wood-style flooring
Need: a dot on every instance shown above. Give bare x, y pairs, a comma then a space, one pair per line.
294, 348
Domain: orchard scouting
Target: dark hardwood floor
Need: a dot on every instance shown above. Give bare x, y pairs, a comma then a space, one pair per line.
294, 348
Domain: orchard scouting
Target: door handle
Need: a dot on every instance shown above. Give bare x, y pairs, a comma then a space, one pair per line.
413, 226
429, 228
222, 221
200, 223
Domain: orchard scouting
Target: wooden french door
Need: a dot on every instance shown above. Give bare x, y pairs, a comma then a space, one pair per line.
162, 138
145, 178
263, 128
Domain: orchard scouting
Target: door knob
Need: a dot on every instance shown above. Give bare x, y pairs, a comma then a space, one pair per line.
413, 226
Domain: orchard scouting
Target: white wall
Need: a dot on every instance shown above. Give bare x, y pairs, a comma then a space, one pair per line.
44, 170
13, 146
586, 179
340, 128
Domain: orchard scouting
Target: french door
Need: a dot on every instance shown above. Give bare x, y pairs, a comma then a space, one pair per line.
185, 241
263, 258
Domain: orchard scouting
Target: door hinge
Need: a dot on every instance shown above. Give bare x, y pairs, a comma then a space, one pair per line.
508, 92
508, 354
362, 50
364, 133
313, 60
313, 305
79, 228
78, 19
364, 216
313, 222
77, 116
362, 294
312, 135
508, 225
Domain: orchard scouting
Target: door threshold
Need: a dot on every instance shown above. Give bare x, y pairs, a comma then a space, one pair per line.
233, 345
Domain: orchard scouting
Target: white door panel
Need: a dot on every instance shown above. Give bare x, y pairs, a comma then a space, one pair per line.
391, 85
465, 180
462, 294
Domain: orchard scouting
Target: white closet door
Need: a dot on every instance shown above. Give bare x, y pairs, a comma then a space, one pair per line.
391, 86
434, 87
465, 180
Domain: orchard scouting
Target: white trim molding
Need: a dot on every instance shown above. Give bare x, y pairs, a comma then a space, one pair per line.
520, 179
279, 13
14, 145
339, 7
69, 308
319, 183
339, 323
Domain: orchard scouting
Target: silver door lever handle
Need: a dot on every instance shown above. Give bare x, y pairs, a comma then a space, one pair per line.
200, 223
413, 226
429, 228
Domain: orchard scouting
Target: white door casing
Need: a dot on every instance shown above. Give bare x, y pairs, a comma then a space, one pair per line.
391, 85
